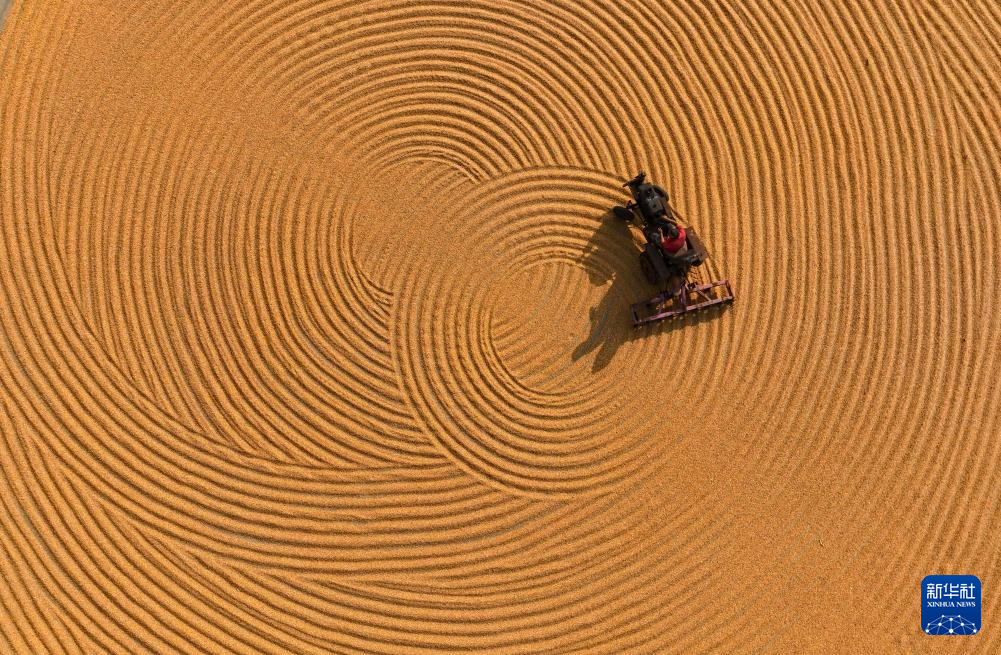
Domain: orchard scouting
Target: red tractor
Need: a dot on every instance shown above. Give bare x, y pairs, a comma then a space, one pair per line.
670, 253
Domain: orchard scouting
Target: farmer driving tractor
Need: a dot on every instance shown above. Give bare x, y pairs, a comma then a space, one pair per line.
660, 226
672, 239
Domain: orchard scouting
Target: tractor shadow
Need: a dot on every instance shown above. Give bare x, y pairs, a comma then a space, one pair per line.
610, 255
613, 246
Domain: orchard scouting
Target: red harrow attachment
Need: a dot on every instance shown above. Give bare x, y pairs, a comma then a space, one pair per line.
687, 298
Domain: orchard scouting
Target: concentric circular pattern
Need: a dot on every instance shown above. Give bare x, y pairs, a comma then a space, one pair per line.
473, 340
315, 326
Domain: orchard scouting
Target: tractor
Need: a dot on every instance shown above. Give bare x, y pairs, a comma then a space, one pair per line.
670, 253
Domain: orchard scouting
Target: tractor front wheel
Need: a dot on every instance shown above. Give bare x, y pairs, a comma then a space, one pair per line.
622, 213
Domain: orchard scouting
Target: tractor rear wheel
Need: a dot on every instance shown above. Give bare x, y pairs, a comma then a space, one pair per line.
649, 272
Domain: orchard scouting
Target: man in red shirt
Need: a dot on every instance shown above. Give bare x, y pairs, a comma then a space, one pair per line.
673, 239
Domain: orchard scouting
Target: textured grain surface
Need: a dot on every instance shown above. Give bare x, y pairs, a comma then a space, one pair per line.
315, 338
